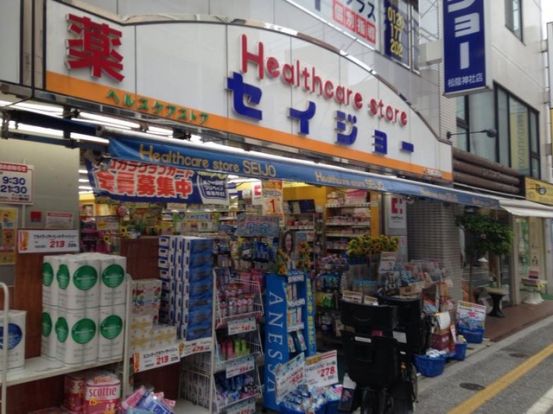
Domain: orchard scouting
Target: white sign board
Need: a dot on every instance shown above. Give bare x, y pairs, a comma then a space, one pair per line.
322, 370
143, 361
263, 84
240, 366
16, 183
59, 220
47, 241
242, 325
289, 376
395, 218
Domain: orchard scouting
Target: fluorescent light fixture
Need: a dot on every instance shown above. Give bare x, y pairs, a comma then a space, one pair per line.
85, 187
85, 192
83, 180
39, 130
244, 180
109, 120
89, 138
43, 108
82, 171
166, 132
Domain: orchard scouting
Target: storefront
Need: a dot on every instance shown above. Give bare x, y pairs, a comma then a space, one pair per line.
249, 92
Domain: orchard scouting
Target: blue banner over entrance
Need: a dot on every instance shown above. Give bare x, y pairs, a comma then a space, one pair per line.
196, 157
138, 181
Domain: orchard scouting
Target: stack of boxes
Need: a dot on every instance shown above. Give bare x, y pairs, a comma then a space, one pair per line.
84, 301
146, 332
186, 269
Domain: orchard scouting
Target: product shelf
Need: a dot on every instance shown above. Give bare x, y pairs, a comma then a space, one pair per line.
350, 224
296, 303
293, 328
351, 205
41, 368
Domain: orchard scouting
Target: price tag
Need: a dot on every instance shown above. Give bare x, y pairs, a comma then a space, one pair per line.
322, 370
240, 366
197, 346
143, 361
15, 183
47, 241
242, 325
245, 407
289, 376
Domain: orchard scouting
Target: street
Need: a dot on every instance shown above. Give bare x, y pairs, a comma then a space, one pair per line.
514, 376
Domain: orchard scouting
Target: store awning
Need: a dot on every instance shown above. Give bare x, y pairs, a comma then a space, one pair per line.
223, 159
219, 158
525, 208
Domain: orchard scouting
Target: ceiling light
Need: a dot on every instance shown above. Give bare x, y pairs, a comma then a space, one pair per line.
89, 138
166, 132
83, 171
83, 180
109, 120
85, 187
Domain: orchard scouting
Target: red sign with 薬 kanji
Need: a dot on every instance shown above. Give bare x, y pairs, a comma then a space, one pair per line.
94, 45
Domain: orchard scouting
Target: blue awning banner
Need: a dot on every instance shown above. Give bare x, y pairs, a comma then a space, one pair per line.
206, 158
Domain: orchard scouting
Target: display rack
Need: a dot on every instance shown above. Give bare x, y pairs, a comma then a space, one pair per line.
347, 216
283, 331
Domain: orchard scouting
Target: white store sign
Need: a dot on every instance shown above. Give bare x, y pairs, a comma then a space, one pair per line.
267, 85
47, 241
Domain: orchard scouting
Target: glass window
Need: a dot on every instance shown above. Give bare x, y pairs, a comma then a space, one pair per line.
481, 117
503, 127
513, 17
520, 151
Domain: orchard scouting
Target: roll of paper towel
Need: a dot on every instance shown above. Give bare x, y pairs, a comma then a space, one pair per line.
77, 336
16, 338
48, 344
111, 332
78, 281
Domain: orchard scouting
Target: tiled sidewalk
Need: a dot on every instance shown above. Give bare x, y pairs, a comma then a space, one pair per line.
516, 318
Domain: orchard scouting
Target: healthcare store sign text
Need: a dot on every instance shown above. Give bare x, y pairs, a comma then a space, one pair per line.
261, 84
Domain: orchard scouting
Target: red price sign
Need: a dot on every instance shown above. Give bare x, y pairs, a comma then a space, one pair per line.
56, 244
240, 366
143, 361
47, 241
196, 347
322, 370
242, 325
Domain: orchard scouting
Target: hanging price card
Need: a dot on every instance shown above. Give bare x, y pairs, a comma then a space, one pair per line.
245, 407
47, 241
240, 366
289, 376
143, 361
196, 347
322, 370
242, 325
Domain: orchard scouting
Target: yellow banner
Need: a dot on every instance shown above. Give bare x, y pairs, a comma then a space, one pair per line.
539, 191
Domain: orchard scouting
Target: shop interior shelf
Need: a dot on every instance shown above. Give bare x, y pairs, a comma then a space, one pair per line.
40, 368
352, 224
297, 327
352, 205
187, 407
342, 235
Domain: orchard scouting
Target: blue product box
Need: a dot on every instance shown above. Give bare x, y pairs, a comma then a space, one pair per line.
199, 288
165, 241
199, 273
200, 315
165, 274
163, 252
163, 263
198, 331
198, 260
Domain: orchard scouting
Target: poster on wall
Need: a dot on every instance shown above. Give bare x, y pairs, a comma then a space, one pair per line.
8, 228
273, 197
61, 220
136, 181
16, 183
395, 219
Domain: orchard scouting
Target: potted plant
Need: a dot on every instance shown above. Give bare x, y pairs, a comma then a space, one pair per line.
366, 248
483, 235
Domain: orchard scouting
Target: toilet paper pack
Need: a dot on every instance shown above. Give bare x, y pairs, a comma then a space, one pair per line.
77, 336
112, 280
48, 338
78, 281
111, 332
16, 338
50, 267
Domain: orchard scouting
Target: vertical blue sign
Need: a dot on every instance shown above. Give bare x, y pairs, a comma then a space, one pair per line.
464, 46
